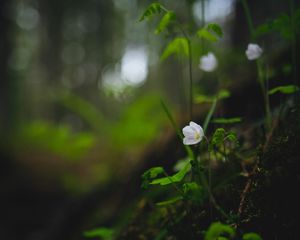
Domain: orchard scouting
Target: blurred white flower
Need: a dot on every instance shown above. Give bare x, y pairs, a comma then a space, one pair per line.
253, 51
208, 62
193, 134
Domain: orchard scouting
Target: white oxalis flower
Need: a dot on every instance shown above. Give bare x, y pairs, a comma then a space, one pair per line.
193, 134
253, 51
208, 62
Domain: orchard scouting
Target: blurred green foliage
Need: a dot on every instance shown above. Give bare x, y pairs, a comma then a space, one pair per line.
285, 24
57, 139
139, 123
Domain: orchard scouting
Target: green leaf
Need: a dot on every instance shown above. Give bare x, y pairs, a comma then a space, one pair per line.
218, 136
232, 137
194, 192
153, 172
288, 89
167, 19
206, 34
104, 233
150, 174
263, 29
152, 9
217, 230
223, 93
282, 24
170, 201
177, 177
215, 28
211, 32
227, 120
251, 236
201, 98
178, 46
181, 163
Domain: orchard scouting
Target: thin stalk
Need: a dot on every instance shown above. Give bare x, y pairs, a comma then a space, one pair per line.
202, 25
179, 133
209, 171
207, 186
267, 100
294, 41
261, 77
191, 97
264, 85
210, 114
191, 79
212, 199
202, 13
249, 18
224, 150
209, 181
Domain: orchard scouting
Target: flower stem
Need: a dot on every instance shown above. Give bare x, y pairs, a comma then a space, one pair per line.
202, 13
267, 100
210, 114
191, 79
207, 187
249, 19
202, 22
262, 77
191, 97
211, 197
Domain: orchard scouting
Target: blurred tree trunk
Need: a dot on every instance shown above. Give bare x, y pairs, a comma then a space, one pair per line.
8, 89
52, 13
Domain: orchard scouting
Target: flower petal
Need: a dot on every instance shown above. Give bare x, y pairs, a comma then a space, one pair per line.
188, 131
196, 127
190, 141
208, 62
253, 51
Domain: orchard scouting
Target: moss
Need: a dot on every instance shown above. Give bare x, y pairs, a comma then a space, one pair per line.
273, 203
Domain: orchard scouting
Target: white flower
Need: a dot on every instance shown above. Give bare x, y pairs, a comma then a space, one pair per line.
208, 62
253, 51
193, 134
